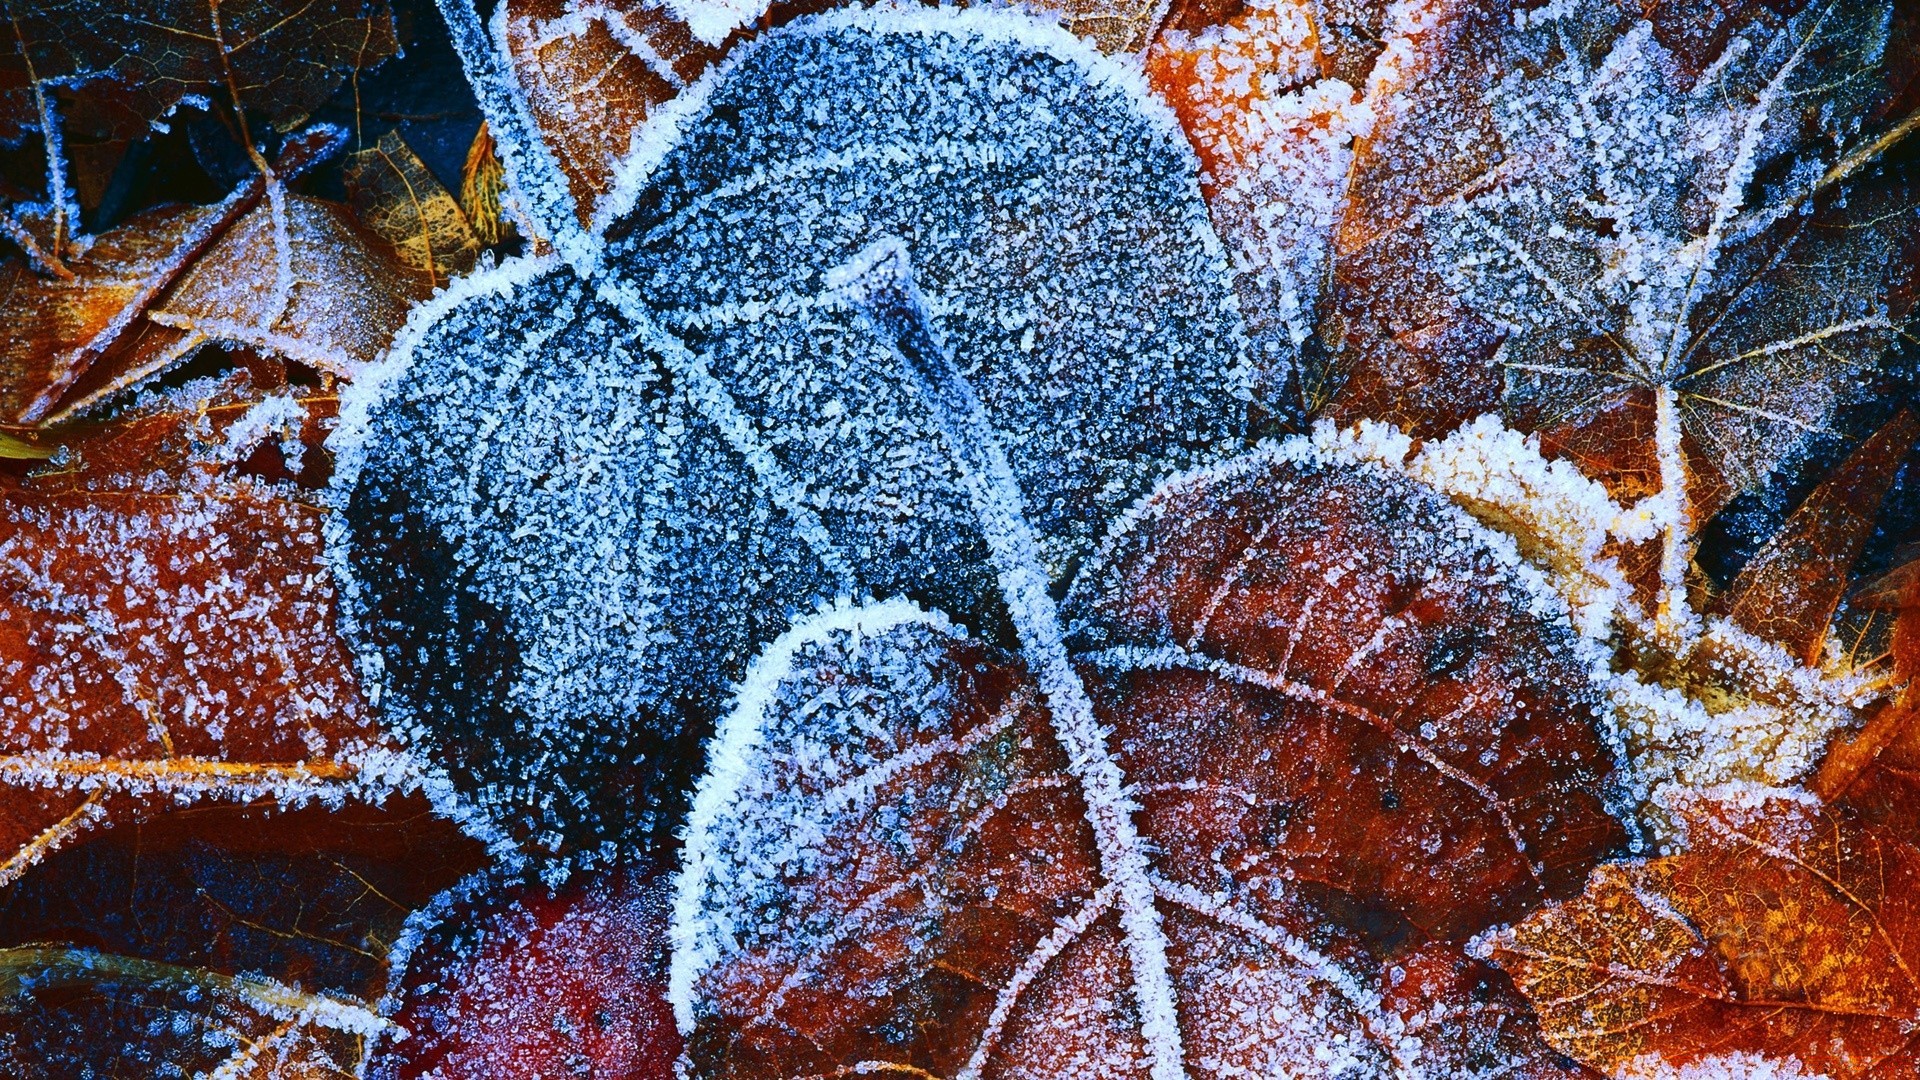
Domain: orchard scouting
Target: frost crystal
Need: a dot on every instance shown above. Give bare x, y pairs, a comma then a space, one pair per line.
575, 508
1641, 223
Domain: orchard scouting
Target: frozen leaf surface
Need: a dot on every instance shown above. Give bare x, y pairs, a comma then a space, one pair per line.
58, 327
1600, 221
524, 980
1786, 931
592, 72
1788, 591
890, 864
166, 623
285, 274
576, 508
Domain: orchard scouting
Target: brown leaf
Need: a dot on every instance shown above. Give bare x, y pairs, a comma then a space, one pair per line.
1784, 930
253, 938
394, 195
57, 329
1494, 258
483, 180
1470, 1020
1274, 142
1337, 754
1788, 592
295, 277
166, 621
1116, 26
122, 64
593, 70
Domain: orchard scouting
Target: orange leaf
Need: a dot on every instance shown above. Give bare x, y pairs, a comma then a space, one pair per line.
1788, 592
168, 621
1784, 930
593, 70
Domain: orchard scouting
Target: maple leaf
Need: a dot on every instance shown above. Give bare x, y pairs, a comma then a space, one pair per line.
168, 627
1614, 241
504, 978
562, 554
1784, 931
228, 941
904, 857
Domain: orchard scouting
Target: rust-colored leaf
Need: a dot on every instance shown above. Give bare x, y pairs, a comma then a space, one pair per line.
250, 939
394, 195
1337, 753
593, 70
1274, 141
166, 621
526, 980
1788, 592
296, 277
57, 328
1785, 930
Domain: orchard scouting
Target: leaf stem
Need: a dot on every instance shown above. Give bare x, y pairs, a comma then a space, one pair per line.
879, 282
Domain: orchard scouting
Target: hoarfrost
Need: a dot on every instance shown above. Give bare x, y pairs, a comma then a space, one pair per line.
575, 507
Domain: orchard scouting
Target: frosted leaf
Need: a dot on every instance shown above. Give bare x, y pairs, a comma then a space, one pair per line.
568, 529
889, 865
1273, 99
592, 71
222, 942
1731, 707
498, 977
1595, 219
169, 625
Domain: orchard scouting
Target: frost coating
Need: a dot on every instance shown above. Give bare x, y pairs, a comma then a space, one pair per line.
1649, 226
896, 834
566, 532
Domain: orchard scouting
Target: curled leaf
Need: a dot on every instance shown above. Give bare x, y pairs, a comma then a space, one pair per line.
394, 195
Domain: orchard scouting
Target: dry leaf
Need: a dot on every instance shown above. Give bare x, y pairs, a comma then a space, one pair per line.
593, 71
1785, 930
1788, 591
58, 328
394, 195
296, 277
122, 64
482, 181
224, 941
166, 622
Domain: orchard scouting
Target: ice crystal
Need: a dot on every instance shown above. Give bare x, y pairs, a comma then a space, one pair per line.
576, 505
